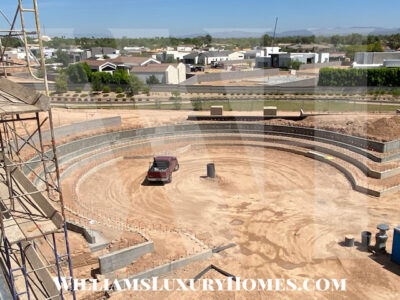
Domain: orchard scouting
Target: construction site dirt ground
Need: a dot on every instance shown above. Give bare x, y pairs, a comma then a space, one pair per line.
287, 214
377, 126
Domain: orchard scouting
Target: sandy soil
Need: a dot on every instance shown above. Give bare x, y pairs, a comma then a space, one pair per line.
287, 215
383, 127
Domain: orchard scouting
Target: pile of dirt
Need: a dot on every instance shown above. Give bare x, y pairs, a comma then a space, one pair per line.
374, 127
385, 129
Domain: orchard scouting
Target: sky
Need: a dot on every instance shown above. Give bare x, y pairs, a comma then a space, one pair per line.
144, 18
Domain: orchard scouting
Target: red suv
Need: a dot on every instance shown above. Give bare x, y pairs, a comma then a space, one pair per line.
162, 168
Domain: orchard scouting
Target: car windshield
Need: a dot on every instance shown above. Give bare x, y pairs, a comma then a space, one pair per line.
160, 164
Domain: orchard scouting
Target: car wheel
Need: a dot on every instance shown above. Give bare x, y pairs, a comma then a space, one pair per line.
176, 168
169, 179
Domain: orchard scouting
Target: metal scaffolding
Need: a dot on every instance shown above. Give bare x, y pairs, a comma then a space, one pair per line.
32, 219
22, 33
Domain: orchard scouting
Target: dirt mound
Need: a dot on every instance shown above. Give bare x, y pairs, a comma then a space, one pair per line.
385, 129
376, 127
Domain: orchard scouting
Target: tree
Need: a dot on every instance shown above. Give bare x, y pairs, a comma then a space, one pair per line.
294, 64
77, 74
61, 84
152, 79
97, 83
394, 41
62, 57
351, 50
170, 59
375, 47
175, 94
266, 40
134, 84
87, 69
208, 39
336, 39
354, 39
120, 76
197, 104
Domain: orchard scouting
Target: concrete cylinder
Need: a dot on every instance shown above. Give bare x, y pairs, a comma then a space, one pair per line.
366, 238
381, 238
349, 241
211, 170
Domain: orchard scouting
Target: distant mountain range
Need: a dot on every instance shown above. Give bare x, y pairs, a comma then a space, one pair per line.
304, 32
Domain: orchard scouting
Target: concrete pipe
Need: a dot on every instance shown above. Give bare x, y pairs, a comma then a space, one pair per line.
211, 170
366, 238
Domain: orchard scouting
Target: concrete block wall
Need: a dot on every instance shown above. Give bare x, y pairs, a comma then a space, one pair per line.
89, 237
229, 76
355, 144
124, 257
164, 269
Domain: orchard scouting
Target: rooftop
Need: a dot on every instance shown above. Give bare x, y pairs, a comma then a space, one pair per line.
217, 53
130, 60
152, 68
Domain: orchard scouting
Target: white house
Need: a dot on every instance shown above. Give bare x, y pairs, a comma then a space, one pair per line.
136, 49
165, 73
176, 55
207, 58
185, 48
18, 53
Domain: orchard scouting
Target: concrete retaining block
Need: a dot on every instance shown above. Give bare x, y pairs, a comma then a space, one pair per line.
124, 257
90, 238
270, 110
217, 110
164, 269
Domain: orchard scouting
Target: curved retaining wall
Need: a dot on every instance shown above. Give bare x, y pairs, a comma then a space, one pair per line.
355, 144
73, 149
122, 139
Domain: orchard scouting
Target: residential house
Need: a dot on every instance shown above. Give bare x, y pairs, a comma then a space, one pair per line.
100, 52
191, 59
281, 60
128, 62
207, 58
264, 60
185, 48
305, 48
165, 56
101, 65
165, 73
136, 49
375, 58
77, 54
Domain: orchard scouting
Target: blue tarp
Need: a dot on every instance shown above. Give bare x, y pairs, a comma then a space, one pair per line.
396, 245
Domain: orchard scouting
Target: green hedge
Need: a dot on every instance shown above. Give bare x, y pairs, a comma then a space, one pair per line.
388, 77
